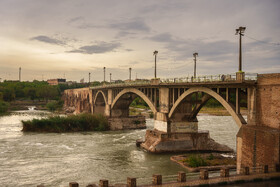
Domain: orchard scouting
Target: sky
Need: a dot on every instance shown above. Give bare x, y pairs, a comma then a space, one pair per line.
72, 38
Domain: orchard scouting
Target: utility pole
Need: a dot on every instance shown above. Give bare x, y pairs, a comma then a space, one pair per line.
240, 31
19, 74
155, 53
129, 74
194, 73
104, 68
110, 77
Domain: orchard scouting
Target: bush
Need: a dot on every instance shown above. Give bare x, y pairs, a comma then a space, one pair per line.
3, 107
195, 161
54, 105
73, 123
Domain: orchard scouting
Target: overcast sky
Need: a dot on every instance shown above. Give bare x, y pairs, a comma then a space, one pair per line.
70, 38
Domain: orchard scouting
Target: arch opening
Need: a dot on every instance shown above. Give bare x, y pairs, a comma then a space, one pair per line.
184, 111
127, 100
99, 103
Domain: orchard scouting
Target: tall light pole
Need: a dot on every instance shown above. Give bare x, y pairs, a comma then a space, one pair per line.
89, 78
155, 53
19, 74
240, 31
129, 74
194, 55
110, 77
104, 68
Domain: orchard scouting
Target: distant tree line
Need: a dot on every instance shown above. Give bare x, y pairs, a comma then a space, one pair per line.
36, 90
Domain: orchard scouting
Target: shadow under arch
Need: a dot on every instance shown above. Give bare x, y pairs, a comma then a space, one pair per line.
229, 107
99, 103
138, 93
97, 96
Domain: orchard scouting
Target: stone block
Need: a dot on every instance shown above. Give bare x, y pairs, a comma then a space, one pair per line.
131, 182
203, 174
181, 176
73, 184
41, 185
103, 183
224, 172
157, 179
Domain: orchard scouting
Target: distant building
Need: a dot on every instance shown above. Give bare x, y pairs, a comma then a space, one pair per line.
56, 81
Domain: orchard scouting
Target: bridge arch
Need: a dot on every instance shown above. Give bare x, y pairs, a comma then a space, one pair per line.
137, 92
98, 96
99, 103
229, 107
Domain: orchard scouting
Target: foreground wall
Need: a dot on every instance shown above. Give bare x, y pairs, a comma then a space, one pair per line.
258, 143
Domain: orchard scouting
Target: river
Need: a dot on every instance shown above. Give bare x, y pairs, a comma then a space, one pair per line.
29, 159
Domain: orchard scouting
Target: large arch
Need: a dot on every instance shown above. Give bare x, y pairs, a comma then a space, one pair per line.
229, 107
100, 103
97, 94
137, 92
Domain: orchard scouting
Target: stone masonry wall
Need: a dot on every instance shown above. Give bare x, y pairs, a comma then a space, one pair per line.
268, 100
78, 100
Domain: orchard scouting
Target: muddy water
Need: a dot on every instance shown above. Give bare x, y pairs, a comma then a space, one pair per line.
29, 159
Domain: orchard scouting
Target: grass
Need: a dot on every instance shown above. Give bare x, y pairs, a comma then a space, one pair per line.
73, 123
211, 160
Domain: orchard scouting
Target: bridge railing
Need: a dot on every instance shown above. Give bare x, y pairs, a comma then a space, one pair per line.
189, 79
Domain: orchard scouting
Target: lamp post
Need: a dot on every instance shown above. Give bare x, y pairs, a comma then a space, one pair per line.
195, 55
240, 31
89, 78
129, 74
104, 68
155, 53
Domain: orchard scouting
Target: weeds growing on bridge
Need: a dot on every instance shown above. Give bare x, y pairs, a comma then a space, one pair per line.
73, 123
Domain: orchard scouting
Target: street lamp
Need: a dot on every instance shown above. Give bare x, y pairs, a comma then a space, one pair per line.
195, 55
104, 73
155, 53
129, 74
89, 77
240, 31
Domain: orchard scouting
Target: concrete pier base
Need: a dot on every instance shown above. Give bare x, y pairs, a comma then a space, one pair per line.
158, 142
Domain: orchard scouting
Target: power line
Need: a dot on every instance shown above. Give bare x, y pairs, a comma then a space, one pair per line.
265, 42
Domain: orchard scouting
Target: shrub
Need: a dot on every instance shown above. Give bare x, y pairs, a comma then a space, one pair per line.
3, 107
151, 114
54, 105
73, 123
195, 161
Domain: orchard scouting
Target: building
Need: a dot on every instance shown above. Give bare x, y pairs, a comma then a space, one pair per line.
56, 81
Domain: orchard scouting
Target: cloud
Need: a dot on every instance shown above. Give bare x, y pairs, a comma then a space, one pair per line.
48, 40
102, 47
131, 25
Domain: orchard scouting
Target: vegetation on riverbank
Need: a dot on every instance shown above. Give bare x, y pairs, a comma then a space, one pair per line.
3, 107
212, 161
72, 123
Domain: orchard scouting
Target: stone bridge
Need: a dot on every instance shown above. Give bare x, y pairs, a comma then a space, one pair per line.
176, 104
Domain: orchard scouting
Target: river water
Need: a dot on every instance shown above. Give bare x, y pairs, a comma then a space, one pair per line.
30, 159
